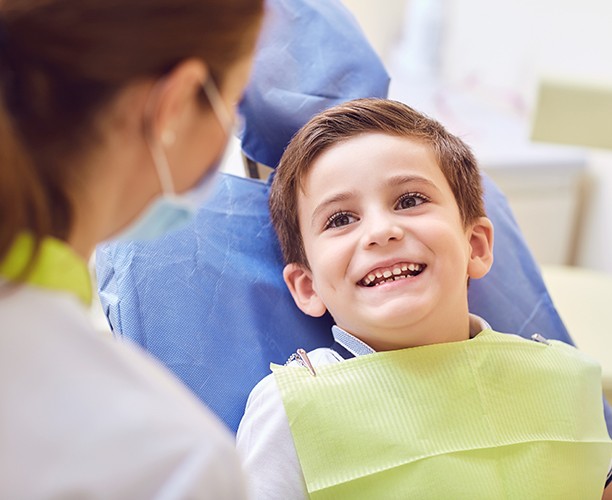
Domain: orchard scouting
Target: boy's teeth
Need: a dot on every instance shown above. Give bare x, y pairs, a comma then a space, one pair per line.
400, 271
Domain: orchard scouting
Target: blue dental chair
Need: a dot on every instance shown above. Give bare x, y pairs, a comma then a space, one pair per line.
209, 300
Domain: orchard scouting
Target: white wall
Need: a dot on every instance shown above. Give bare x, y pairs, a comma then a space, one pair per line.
595, 235
510, 44
381, 21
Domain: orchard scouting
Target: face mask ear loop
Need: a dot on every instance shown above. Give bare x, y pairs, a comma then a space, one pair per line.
158, 155
162, 167
216, 102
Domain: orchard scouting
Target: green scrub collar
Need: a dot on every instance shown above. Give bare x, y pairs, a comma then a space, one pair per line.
57, 267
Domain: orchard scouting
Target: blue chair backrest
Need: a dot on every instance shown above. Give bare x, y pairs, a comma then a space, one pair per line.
209, 300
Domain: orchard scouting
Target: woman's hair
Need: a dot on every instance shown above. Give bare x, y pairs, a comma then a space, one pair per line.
63, 61
362, 116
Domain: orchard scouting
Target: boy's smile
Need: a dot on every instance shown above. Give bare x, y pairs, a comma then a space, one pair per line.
395, 272
388, 253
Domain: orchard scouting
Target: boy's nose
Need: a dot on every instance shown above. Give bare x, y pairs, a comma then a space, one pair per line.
382, 231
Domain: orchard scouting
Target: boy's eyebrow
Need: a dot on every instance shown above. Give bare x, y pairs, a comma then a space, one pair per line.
343, 196
407, 179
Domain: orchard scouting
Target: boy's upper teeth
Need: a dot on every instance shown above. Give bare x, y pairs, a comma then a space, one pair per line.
397, 271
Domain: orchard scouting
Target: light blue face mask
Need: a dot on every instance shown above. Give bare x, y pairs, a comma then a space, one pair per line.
171, 211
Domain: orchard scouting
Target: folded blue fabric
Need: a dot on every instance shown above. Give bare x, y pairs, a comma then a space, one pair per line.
209, 300
311, 55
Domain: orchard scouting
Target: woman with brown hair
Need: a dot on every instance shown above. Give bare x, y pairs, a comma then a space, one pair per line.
109, 110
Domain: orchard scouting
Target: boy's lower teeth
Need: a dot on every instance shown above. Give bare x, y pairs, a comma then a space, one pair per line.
389, 280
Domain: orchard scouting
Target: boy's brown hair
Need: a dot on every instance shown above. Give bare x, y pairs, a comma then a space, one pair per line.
353, 118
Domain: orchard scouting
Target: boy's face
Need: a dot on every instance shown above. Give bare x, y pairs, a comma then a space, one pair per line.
389, 255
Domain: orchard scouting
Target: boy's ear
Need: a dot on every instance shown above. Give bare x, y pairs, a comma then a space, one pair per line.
481, 244
299, 282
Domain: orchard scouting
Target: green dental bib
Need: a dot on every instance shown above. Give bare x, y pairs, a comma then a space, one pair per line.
492, 417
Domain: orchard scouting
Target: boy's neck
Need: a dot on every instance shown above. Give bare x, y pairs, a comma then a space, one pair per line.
461, 331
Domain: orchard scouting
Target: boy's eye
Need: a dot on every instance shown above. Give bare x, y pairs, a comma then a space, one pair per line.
340, 219
410, 200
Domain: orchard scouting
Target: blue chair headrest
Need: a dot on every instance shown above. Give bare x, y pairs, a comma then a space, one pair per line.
312, 55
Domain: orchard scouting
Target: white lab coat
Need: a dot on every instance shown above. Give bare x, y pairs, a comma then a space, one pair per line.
85, 416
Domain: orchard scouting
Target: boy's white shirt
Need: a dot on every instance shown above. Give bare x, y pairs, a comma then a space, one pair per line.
264, 439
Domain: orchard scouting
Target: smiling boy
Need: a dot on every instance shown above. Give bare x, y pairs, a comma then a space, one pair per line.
388, 254
380, 217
